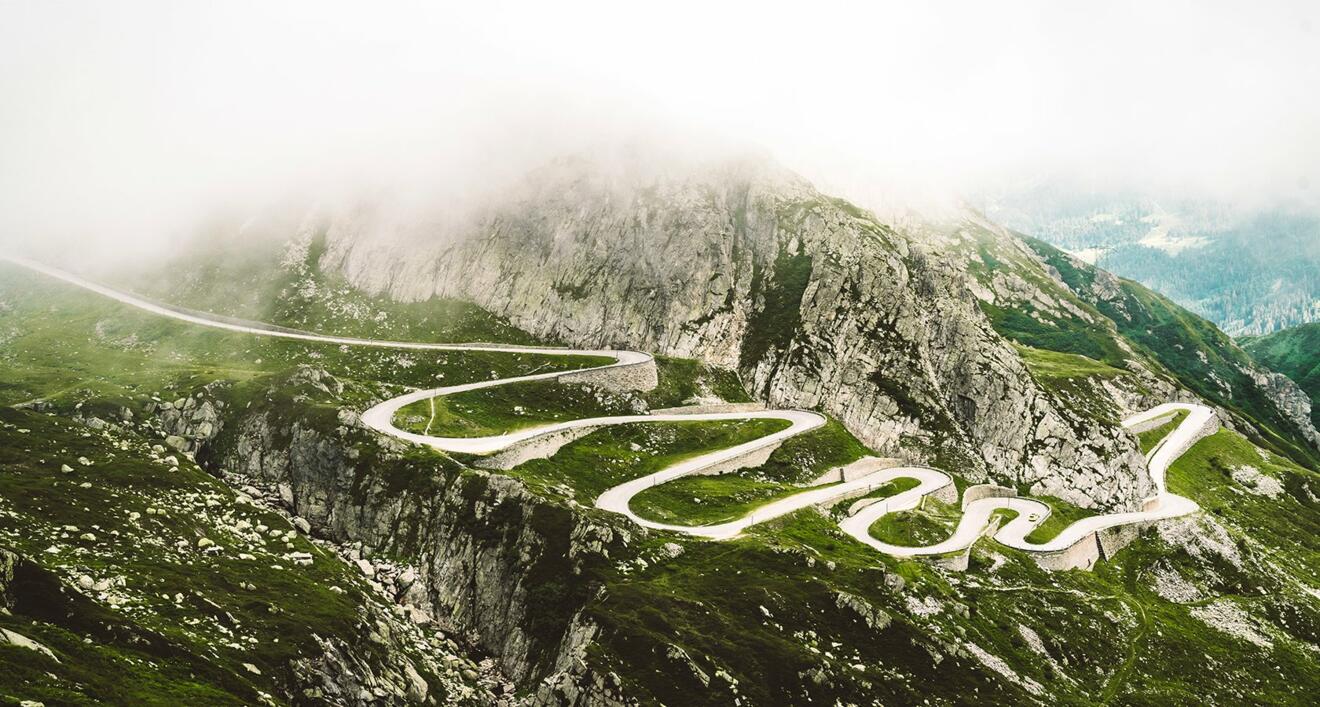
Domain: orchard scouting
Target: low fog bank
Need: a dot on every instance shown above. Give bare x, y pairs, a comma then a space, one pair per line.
129, 129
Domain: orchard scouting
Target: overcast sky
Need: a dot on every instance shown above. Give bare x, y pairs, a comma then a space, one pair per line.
125, 120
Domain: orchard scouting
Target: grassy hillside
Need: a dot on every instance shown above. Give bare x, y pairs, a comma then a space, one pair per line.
1294, 353
278, 283
793, 612
143, 578
162, 584
1200, 356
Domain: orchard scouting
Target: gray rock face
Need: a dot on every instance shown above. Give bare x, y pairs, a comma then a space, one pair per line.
875, 618
816, 305
1291, 401
190, 422
491, 557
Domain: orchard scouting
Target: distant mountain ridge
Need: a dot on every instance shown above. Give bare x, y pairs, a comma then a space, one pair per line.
1295, 353
1251, 271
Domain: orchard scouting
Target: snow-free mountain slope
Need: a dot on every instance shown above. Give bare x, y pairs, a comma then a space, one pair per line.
1294, 353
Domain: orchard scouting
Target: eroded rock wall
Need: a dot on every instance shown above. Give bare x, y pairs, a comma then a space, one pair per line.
815, 303
495, 564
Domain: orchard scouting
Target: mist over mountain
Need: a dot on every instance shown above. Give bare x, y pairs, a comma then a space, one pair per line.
997, 367
1251, 269
596, 354
124, 127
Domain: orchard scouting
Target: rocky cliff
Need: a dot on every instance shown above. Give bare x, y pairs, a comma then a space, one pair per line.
474, 554
815, 303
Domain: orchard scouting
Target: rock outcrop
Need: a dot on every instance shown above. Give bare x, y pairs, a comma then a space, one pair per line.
1290, 399
816, 304
494, 563
187, 422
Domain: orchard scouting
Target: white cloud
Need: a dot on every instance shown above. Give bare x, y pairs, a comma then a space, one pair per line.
130, 118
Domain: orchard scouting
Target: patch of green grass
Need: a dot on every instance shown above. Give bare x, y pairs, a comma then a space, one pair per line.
1067, 335
702, 500
505, 408
1073, 380
803, 458
706, 500
608, 457
933, 522
1048, 365
683, 379
1205, 474
892, 488
1151, 437
1062, 515
1004, 516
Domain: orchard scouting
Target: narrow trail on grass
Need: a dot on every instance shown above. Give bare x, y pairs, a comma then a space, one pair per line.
633, 370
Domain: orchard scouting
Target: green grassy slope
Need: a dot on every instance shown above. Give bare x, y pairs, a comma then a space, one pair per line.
934, 522
1200, 356
1152, 437
189, 582
505, 408
1294, 353
616, 454
1074, 380
793, 612
702, 500
267, 282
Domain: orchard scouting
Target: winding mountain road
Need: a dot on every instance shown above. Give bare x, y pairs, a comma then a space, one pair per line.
858, 479
1031, 514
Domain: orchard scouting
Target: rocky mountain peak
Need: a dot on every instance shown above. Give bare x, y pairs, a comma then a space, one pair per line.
815, 302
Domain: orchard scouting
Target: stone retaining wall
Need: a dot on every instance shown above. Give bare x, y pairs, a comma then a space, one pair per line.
539, 447
703, 409
1081, 555
852, 510
634, 376
980, 491
856, 470
857, 506
751, 459
947, 493
1151, 423
960, 561
955, 563
1115, 538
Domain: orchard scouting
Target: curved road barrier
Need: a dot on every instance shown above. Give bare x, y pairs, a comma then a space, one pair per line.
1078, 545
